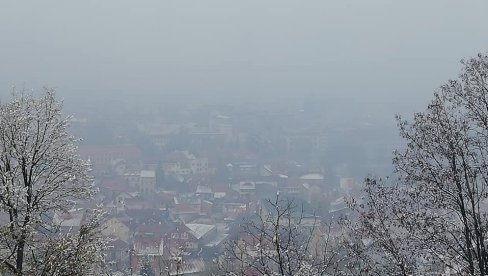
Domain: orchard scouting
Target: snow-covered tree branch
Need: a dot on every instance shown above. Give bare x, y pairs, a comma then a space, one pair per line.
281, 239
434, 216
40, 174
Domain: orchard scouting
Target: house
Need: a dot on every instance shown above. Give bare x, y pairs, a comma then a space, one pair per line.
103, 157
183, 163
165, 238
206, 208
111, 187
143, 181
204, 192
117, 254
215, 246
123, 197
149, 247
310, 192
186, 211
187, 208
138, 203
70, 220
204, 233
243, 169
147, 216
247, 188
164, 199
313, 179
232, 210
114, 227
147, 182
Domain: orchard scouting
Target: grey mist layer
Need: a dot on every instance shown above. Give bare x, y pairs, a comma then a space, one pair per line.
366, 51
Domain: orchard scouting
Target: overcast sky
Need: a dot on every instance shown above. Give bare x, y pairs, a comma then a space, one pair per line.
373, 50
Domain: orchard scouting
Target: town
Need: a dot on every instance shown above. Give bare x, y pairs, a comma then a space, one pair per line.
178, 196
243, 138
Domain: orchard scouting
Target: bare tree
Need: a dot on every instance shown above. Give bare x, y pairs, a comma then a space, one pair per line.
40, 174
437, 210
280, 240
378, 241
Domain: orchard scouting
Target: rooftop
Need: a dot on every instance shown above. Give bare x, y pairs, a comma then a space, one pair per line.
312, 176
200, 230
148, 174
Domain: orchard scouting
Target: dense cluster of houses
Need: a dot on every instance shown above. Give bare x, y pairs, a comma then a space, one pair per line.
175, 212
175, 205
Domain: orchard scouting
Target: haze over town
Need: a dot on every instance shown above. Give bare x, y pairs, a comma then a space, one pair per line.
219, 50
194, 113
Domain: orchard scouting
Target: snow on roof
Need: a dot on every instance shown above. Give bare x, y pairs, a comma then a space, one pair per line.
199, 230
247, 185
220, 116
148, 174
338, 201
338, 205
203, 190
68, 219
219, 194
217, 240
312, 176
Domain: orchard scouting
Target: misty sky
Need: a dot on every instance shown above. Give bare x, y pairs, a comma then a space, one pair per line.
375, 50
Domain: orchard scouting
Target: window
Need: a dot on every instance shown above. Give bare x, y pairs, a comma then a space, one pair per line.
174, 235
184, 236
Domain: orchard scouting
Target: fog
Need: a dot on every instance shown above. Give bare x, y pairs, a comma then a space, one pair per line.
226, 137
366, 51
343, 68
